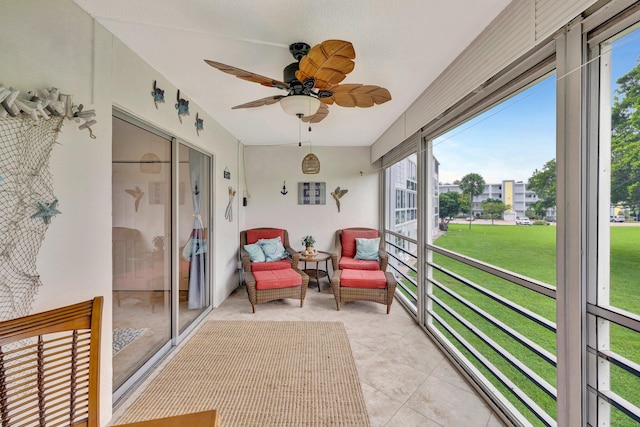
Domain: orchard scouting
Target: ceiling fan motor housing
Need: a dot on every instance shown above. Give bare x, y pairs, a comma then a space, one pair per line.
289, 73
299, 49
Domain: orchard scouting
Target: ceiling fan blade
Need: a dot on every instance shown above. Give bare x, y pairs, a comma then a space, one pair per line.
322, 112
357, 95
328, 62
248, 75
260, 102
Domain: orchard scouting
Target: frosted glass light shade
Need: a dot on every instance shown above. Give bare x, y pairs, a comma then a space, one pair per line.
300, 104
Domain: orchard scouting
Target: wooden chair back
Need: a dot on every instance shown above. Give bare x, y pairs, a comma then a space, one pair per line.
50, 371
50, 367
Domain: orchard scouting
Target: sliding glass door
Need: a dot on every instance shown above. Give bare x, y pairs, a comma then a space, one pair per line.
161, 204
193, 193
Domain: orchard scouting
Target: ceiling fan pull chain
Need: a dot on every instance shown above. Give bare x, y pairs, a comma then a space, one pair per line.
299, 130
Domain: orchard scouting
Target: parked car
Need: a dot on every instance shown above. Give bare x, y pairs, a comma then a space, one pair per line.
550, 218
523, 221
619, 218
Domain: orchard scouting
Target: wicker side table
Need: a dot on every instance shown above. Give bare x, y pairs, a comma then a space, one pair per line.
316, 273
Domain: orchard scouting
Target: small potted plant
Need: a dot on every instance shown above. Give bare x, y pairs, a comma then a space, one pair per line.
308, 242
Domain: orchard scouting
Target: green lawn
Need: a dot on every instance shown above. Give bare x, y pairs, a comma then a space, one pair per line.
530, 251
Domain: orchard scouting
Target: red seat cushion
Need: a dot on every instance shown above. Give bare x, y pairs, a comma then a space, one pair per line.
254, 234
275, 279
363, 279
349, 240
282, 264
347, 262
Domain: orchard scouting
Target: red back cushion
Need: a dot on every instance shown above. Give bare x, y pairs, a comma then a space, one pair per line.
254, 235
349, 240
282, 264
348, 263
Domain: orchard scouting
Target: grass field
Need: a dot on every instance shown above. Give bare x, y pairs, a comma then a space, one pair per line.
530, 251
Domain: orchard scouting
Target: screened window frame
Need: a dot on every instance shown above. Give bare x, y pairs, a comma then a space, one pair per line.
522, 74
600, 29
569, 44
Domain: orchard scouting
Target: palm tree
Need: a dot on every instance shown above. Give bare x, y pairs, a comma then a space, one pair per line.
472, 184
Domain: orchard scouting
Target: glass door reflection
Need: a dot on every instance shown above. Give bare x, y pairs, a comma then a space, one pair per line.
141, 190
193, 234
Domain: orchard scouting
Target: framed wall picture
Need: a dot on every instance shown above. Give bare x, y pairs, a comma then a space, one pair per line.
312, 193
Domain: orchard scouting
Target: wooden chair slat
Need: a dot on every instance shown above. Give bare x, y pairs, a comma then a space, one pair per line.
49, 367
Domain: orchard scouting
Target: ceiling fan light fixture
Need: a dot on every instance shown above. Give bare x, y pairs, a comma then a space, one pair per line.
300, 105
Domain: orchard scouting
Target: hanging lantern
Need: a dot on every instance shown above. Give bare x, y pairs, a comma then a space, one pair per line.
150, 163
310, 164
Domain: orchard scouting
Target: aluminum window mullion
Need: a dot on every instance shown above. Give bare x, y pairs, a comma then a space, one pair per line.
617, 316
570, 229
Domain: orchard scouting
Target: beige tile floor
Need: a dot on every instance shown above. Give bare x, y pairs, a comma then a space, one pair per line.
405, 379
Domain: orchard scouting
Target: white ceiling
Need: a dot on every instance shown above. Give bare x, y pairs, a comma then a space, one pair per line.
401, 45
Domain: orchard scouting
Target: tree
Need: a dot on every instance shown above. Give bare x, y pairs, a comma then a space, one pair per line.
539, 209
465, 204
449, 205
495, 208
625, 140
472, 184
543, 183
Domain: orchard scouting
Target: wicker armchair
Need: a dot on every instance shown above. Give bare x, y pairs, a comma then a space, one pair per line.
345, 248
268, 281
258, 296
382, 293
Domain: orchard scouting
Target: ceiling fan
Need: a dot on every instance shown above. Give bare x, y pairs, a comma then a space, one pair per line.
312, 82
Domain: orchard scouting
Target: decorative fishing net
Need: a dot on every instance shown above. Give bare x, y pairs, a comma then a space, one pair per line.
27, 204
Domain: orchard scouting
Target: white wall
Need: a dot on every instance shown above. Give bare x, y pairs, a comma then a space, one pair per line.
268, 167
55, 43
52, 44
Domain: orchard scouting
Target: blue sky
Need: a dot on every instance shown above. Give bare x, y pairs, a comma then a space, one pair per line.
513, 139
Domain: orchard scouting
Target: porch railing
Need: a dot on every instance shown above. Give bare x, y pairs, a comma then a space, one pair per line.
507, 347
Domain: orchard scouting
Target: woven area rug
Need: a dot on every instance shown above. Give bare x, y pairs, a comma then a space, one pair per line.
122, 337
260, 374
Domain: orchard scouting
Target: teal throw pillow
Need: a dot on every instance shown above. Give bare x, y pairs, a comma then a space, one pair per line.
367, 249
255, 253
273, 249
